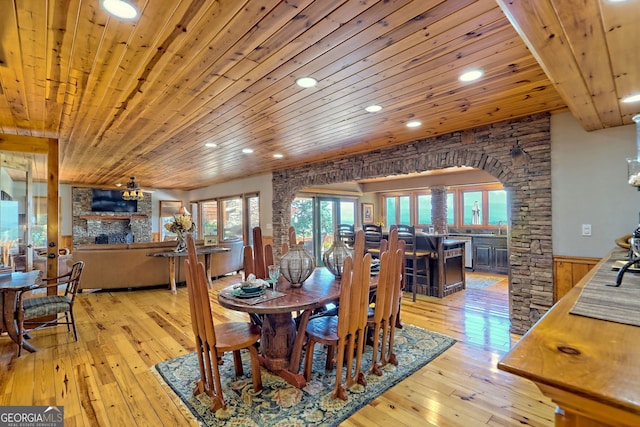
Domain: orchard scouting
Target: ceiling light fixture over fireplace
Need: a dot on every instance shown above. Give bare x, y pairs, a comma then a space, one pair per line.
133, 191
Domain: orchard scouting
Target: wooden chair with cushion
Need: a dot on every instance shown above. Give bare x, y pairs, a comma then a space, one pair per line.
214, 340
416, 260
344, 334
59, 305
387, 304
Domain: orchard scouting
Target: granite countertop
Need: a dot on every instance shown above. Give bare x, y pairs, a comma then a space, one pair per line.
479, 235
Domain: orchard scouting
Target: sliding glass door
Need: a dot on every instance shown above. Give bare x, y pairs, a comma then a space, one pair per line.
316, 218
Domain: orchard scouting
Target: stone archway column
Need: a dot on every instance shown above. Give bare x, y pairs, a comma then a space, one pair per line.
439, 209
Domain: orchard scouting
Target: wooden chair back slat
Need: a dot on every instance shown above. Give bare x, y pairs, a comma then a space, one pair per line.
258, 254
256, 259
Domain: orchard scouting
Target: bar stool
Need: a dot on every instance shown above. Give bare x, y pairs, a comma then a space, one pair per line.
416, 260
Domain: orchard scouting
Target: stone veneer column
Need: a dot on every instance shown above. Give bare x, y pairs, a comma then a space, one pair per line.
516, 152
439, 210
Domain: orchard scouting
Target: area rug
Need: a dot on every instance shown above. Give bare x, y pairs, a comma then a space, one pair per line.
480, 282
280, 404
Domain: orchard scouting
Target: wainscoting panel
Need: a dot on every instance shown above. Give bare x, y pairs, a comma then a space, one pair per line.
568, 271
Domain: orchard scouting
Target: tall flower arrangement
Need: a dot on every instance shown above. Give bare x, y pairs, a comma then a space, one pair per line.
181, 224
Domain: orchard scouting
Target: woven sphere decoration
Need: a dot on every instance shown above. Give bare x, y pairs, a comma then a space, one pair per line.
334, 257
297, 265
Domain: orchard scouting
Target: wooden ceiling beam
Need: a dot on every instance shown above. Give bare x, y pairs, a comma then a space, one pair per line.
542, 31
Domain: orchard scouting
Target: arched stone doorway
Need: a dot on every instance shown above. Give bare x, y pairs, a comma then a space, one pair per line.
517, 153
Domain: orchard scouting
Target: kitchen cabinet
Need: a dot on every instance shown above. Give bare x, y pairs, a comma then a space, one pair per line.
490, 254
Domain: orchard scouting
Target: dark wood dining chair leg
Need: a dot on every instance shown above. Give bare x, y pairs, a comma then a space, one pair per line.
237, 363
308, 360
330, 358
255, 368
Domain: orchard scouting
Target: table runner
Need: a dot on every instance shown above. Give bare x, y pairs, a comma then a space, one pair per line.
267, 296
616, 304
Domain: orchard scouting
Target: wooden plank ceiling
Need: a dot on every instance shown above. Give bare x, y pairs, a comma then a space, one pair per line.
142, 98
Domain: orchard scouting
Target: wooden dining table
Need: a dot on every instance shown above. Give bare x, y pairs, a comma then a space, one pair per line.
281, 342
11, 285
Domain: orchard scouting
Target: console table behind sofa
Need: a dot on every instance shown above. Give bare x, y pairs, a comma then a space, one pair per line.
115, 266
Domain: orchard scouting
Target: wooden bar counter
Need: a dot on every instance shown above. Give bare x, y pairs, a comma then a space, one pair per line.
590, 368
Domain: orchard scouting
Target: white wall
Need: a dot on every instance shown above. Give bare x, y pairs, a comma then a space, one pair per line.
589, 181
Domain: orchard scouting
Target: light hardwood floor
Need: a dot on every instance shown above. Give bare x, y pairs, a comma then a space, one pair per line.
105, 379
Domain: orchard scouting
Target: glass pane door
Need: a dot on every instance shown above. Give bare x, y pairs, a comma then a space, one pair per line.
327, 222
302, 219
253, 215
23, 211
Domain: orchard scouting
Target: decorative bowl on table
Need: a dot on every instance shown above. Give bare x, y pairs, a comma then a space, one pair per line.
251, 287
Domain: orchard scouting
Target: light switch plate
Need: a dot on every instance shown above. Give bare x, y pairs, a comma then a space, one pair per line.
586, 229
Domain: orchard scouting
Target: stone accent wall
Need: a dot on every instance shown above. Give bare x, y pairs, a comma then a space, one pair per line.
86, 230
517, 153
439, 210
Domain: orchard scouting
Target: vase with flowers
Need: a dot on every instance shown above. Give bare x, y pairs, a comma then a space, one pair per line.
181, 225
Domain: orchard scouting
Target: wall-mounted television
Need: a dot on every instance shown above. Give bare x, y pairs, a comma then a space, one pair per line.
112, 201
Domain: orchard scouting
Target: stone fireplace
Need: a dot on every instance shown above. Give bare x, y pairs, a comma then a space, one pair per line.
108, 227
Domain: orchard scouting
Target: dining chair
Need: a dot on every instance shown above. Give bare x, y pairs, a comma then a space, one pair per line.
212, 340
344, 334
387, 304
416, 260
346, 233
372, 238
31, 311
256, 261
258, 258
290, 241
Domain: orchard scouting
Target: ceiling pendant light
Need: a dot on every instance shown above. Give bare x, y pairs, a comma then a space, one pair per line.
133, 191
120, 8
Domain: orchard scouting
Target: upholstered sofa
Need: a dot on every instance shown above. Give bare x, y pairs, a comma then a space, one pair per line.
117, 266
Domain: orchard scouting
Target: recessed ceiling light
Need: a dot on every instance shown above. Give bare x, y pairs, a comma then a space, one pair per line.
119, 184
373, 108
278, 156
247, 150
471, 75
210, 144
306, 82
631, 98
414, 124
120, 9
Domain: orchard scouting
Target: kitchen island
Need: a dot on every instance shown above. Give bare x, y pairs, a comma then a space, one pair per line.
446, 267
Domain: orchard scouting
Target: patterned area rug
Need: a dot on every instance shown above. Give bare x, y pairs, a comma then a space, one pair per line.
480, 282
280, 404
